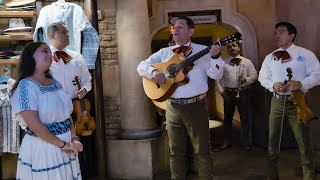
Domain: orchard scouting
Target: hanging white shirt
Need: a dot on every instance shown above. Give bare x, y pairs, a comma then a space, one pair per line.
304, 64
198, 75
65, 73
232, 73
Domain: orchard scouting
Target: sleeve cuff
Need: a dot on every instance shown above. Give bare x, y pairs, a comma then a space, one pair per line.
271, 87
87, 88
149, 72
303, 86
217, 63
216, 56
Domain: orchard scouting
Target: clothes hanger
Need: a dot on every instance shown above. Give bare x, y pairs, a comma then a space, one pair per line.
61, 2
6, 84
5, 78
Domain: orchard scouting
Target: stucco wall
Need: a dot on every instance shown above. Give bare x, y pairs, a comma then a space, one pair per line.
262, 16
257, 25
307, 22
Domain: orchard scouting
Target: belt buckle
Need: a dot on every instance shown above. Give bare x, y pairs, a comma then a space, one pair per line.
192, 100
187, 100
178, 101
282, 97
182, 101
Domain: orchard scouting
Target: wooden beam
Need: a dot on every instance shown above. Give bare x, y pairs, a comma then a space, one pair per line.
90, 8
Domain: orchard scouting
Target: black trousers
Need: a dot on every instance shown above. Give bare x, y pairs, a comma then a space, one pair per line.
242, 103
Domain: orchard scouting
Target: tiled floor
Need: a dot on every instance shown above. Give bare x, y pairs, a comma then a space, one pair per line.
237, 164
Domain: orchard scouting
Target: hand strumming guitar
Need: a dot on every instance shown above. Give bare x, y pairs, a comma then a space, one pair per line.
159, 77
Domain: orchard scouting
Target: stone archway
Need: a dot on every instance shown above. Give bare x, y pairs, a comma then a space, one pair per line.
229, 15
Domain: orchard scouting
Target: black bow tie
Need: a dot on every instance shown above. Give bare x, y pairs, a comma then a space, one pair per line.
61, 55
284, 56
235, 61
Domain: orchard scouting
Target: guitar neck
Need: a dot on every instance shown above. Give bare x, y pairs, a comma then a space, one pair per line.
190, 60
193, 58
187, 62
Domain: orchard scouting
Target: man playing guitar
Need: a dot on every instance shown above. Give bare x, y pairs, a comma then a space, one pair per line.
186, 111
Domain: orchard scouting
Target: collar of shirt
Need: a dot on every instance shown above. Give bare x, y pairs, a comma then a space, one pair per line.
54, 49
187, 44
228, 59
292, 50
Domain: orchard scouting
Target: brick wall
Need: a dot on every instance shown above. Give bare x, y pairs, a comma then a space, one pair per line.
109, 57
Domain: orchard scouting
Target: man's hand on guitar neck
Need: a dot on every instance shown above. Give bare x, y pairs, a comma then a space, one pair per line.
159, 77
215, 51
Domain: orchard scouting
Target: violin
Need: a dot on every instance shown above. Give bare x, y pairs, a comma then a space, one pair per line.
298, 98
85, 124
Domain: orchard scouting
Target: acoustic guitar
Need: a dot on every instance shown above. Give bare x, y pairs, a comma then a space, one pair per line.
85, 124
175, 70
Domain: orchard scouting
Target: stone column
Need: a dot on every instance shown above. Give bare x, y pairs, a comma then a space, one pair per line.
133, 34
141, 151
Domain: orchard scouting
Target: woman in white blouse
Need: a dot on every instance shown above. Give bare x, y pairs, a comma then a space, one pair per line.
49, 149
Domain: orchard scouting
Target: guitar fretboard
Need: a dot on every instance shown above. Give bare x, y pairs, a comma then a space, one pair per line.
190, 60
187, 62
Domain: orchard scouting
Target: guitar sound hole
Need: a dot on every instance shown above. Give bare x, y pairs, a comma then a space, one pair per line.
172, 71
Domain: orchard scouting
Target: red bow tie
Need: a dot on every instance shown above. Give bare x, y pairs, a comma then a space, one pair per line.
284, 56
235, 61
61, 55
186, 50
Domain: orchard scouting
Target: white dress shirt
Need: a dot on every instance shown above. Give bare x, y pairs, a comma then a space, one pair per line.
65, 73
304, 64
232, 73
203, 67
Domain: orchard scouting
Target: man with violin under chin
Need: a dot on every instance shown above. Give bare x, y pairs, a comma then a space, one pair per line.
234, 87
186, 112
287, 71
